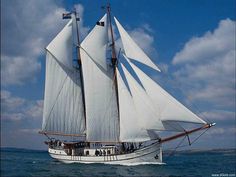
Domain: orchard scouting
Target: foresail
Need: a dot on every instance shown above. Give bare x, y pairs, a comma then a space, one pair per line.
136, 111
131, 129
63, 107
167, 107
132, 50
100, 98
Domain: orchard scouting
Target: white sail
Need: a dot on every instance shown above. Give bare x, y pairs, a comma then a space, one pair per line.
63, 107
167, 107
100, 96
132, 50
131, 129
137, 115
61, 46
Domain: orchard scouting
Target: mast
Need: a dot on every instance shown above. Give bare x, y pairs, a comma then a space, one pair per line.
80, 63
114, 61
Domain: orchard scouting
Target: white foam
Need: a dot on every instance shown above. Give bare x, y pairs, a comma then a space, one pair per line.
138, 163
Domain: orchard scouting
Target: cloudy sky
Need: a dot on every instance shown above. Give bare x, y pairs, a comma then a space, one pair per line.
193, 42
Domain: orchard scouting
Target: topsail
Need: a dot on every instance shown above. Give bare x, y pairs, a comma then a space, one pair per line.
132, 50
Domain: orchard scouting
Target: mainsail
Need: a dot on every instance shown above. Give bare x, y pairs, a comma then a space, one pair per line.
101, 107
63, 107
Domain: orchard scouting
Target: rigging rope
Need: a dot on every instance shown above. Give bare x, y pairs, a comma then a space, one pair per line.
173, 152
199, 136
190, 143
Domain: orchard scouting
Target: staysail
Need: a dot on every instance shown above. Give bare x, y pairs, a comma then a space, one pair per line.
136, 114
101, 105
147, 109
63, 107
145, 106
132, 50
166, 106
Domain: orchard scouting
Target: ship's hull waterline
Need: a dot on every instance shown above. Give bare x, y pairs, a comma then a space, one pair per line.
151, 154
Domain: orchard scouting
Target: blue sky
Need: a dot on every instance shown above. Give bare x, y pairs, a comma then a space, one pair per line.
193, 42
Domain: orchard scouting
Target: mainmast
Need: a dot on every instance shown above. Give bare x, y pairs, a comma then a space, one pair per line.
113, 59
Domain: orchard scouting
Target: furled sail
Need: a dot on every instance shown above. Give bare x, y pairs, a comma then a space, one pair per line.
132, 50
63, 107
167, 107
137, 115
100, 97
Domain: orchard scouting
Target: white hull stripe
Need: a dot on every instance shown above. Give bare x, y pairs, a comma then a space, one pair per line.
104, 157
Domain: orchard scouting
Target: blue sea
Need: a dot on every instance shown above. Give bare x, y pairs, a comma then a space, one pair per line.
24, 163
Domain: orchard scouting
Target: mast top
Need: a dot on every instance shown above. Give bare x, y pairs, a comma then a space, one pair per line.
114, 58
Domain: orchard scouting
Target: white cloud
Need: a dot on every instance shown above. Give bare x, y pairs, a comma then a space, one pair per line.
28, 25
83, 29
219, 131
207, 67
17, 70
12, 116
144, 40
219, 115
35, 111
26, 29
15, 108
9, 103
20, 120
212, 44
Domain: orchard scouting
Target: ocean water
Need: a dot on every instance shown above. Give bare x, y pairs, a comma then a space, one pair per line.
25, 163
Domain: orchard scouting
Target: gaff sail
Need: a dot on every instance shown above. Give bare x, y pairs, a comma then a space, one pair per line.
101, 105
63, 107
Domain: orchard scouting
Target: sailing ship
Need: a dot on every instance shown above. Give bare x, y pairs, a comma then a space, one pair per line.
98, 95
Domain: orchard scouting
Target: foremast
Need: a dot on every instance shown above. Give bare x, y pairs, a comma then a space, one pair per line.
80, 62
